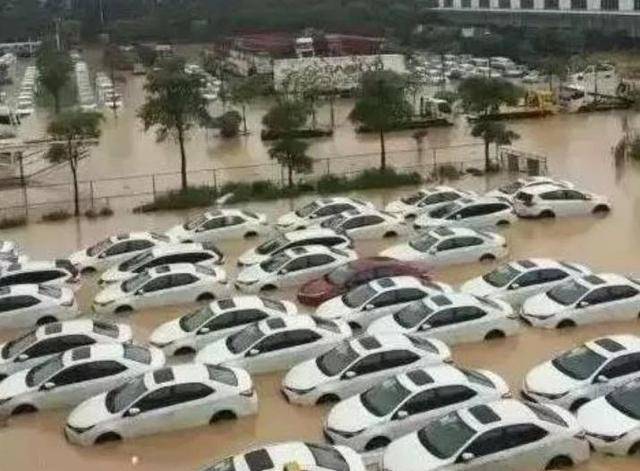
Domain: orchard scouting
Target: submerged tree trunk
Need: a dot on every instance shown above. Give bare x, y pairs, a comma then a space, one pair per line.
383, 152
56, 102
244, 118
183, 160
290, 170
487, 161
332, 112
73, 165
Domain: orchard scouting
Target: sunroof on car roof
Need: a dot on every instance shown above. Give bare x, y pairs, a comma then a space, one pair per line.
419, 377
258, 460
276, 323
80, 353
370, 343
594, 280
163, 375
610, 345
444, 231
484, 414
54, 328
386, 282
441, 300
226, 304
527, 264
163, 269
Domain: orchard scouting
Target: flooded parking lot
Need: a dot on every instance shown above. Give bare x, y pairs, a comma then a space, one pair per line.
579, 149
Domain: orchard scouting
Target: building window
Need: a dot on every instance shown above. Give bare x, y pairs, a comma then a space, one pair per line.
609, 5
467, 3
504, 4
527, 4
484, 4
448, 3
578, 4
551, 4
636, 5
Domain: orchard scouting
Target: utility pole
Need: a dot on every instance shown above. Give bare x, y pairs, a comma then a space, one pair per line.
58, 42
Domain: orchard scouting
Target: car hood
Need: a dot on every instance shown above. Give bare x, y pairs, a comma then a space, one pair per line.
546, 379
215, 353
90, 412
542, 305
289, 219
398, 207
109, 293
425, 221
334, 308
113, 274
402, 252
601, 418
408, 454
78, 258
251, 257
386, 324
14, 384
179, 233
499, 382
251, 273
305, 375
168, 332
479, 287
350, 415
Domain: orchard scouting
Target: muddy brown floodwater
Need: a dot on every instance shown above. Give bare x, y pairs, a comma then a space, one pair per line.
579, 148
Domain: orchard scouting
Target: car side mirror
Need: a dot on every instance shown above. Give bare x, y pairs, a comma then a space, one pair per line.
514, 286
432, 251
284, 271
139, 292
204, 330
425, 326
602, 379
583, 303
467, 456
402, 414
102, 255
368, 307
132, 412
254, 352
458, 216
49, 385
22, 357
350, 374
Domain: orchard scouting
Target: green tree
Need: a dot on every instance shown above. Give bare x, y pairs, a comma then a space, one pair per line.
492, 132
483, 95
174, 105
73, 129
286, 116
54, 69
381, 105
243, 91
554, 67
291, 153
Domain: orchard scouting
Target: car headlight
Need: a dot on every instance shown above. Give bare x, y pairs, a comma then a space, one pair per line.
299, 391
606, 438
548, 395
79, 430
104, 303
5, 400
160, 344
247, 282
345, 434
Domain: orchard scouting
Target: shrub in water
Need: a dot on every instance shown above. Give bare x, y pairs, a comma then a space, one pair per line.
9, 222
58, 215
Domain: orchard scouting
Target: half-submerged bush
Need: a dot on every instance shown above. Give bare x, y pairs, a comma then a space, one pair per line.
57, 215
9, 222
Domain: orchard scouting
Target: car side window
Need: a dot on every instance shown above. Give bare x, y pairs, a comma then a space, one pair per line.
621, 366
469, 313
522, 434
421, 402
409, 294
448, 395
621, 292
271, 343
598, 295
384, 299
299, 263
469, 241
395, 358
548, 275
333, 209
318, 260
57, 345
116, 249
486, 444
302, 337
369, 364
213, 223
556, 195
448, 244
157, 284
154, 400
11, 303
528, 279
235, 319
442, 318
233, 221
87, 372
35, 277
573, 195
139, 244
353, 223
182, 279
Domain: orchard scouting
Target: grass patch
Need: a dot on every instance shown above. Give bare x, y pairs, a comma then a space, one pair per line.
9, 222
203, 196
58, 215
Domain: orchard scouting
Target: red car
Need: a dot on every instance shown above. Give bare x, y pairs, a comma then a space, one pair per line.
356, 273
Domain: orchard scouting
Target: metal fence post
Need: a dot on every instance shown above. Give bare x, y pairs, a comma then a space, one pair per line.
328, 165
91, 193
434, 156
153, 186
215, 180
26, 201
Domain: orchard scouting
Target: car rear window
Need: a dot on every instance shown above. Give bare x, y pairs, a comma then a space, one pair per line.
136, 353
328, 457
222, 375
422, 344
50, 291
273, 304
106, 328
546, 414
326, 324
474, 376
258, 460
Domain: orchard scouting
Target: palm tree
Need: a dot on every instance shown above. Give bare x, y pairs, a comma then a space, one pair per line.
492, 132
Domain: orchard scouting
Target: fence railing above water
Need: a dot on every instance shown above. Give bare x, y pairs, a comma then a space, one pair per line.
129, 191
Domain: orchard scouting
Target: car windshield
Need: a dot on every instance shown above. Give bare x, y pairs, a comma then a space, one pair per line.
510, 188
568, 292
135, 282
336, 359
358, 296
240, 341
579, 363
382, 399
138, 260
195, 223
307, 210
444, 211
13, 347
275, 262
123, 396
193, 320
626, 399
501, 276
423, 243
44, 371
334, 222
272, 245
99, 247
444, 437
413, 199
411, 315
224, 465
327, 457
340, 275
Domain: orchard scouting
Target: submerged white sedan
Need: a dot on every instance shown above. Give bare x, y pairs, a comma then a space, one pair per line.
426, 199
219, 224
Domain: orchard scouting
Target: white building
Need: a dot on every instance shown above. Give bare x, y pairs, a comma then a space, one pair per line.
565, 6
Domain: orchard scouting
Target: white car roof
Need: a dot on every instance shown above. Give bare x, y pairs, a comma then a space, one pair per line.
282, 454
455, 300
367, 344
239, 302
97, 351
173, 248
287, 323
30, 265
27, 289
539, 189
527, 264
77, 326
615, 345
396, 282
433, 376
304, 234
604, 279
138, 235
504, 412
308, 250
185, 373
472, 200
453, 231
217, 212
178, 268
